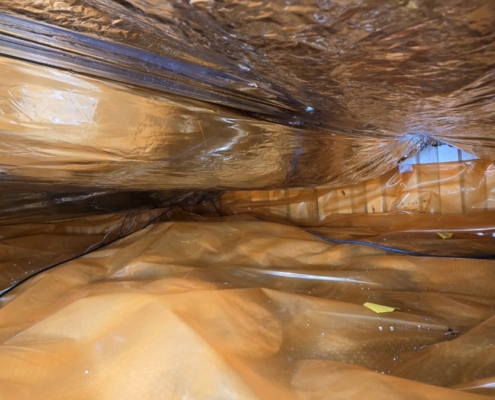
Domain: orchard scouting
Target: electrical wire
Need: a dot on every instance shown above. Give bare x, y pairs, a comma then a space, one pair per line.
400, 251
326, 239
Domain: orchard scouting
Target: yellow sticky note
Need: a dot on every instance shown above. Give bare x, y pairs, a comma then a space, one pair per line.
379, 308
445, 235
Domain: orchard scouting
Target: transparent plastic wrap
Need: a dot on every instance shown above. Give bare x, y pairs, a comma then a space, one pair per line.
239, 95
18, 207
27, 249
128, 105
242, 309
444, 188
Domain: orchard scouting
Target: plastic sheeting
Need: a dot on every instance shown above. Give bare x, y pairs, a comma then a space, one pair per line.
334, 91
59, 128
19, 207
445, 188
414, 233
243, 309
143, 95
379, 67
26, 249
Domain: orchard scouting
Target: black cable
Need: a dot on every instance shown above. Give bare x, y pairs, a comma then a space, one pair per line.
400, 251
15, 285
216, 208
326, 239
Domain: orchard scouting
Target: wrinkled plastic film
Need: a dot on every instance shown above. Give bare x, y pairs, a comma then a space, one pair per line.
49, 45
81, 132
384, 68
27, 249
111, 106
272, 311
350, 88
19, 207
469, 236
444, 188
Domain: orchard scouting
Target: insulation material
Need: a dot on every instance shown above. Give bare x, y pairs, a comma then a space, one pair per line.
444, 188
151, 95
381, 67
88, 134
243, 309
